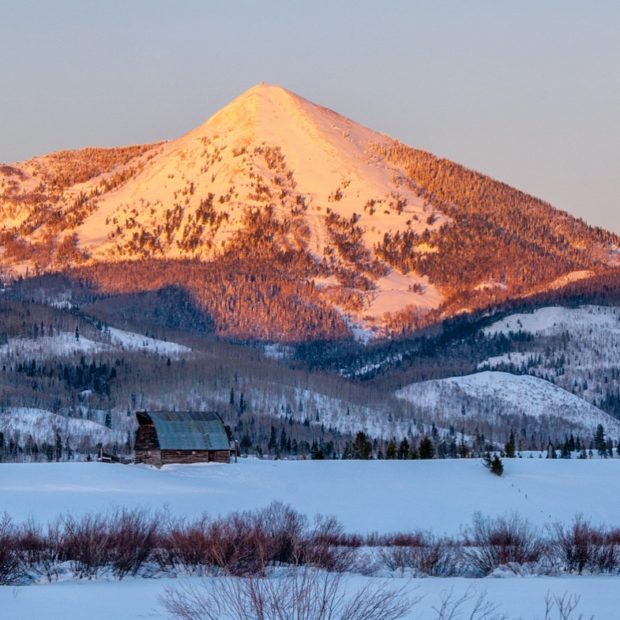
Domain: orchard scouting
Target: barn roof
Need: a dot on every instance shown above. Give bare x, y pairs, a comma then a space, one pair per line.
188, 430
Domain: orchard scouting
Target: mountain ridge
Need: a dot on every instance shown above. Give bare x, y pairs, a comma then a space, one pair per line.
347, 220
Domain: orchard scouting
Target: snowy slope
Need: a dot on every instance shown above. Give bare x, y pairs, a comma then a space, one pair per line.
498, 393
41, 426
327, 156
577, 348
66, 344
555, 319
269, 146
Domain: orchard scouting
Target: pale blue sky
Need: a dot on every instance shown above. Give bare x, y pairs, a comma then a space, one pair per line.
526, 91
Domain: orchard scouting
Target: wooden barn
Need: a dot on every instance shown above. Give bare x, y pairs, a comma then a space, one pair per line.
181, 437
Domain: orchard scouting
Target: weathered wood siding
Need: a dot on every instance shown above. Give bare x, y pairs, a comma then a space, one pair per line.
147, 446
195, 456
148, 457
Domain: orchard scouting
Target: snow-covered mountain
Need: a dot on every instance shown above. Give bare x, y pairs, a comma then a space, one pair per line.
362, 231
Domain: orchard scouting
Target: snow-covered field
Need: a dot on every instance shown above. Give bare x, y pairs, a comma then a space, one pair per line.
131, 599
366, 496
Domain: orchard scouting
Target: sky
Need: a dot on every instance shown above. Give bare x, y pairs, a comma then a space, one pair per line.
527, 92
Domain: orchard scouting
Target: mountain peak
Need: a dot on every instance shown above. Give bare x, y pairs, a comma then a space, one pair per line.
383, 234
262, 104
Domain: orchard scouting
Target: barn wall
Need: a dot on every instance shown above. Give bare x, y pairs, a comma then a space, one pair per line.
195, 456
146, 448
148, 457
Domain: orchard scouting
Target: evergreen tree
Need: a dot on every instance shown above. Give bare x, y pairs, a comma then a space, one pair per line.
347, 453
599, 440
509, 448
403, 449
391, 451
362, 448
283, 441
493, 463
497, 467
246, 443
272, 440
427, 450
316, 452
58, 451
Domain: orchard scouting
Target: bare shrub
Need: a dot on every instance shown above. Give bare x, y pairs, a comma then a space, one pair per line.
182, 544
565, 606
40, 549
9, 557
246, 543
503, 541
328, 547
284, 530
582, 547
303, 594
85, 543
131, 540
423, 553
237, 545
475, 606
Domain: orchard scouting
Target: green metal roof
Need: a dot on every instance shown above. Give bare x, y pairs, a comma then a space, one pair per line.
189, 430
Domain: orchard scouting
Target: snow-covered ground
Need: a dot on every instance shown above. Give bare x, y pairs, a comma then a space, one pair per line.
66, 344
506, 394
554, 319
366, 496
132, 599
41, 426
576, 348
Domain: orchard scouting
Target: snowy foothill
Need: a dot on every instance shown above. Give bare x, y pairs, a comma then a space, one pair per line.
137, 342
575, 348
39, 426
66, 344
555, 319
506, 393
440, 496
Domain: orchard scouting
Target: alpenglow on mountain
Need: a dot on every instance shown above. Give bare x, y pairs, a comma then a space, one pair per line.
287, 221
